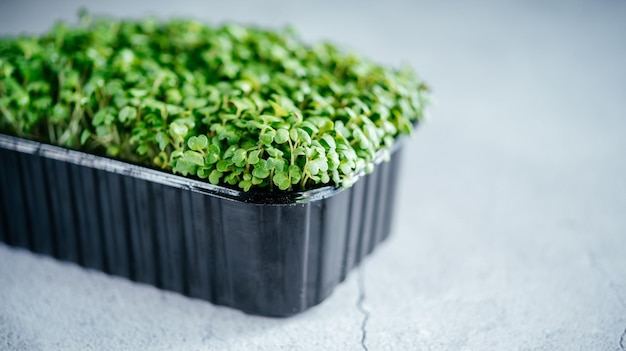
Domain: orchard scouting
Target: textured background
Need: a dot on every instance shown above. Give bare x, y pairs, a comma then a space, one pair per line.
511, 228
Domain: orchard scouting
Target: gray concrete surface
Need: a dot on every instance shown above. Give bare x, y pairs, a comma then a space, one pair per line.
511, 228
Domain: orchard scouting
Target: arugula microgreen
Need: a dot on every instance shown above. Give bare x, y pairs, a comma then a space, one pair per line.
239, 106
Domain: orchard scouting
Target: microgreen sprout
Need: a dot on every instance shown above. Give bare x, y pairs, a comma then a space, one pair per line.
238, 106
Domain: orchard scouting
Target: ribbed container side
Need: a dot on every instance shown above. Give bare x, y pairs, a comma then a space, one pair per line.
353, 226
86, 218
283, 251
107, 230
158, 217
187, 241
137, 259
120, 263
394, 165
378, 205
222, 293
34, 186
333, 219
293, 256
273, 259
63, 210
142, 232
197, 246
382, 189
368, 205
44, 224
172, 239
254, 240
112, 197
314, 246
4, 231
18, 227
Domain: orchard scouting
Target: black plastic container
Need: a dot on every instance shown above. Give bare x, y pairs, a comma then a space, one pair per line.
266, 254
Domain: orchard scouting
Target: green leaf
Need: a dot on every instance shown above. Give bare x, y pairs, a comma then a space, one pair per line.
325, 126
267, 138
325, 178
230, 151
295, 173
142, 149
282, 136
178, 129
173, 96
282, 181
304, 137
346, 168
173, 109
198, 143
309, 127
194, 157
163, 140
213, 154
138, 92
60, 113
253, 157
261, 170
224, 165
335, 176
192, 102
268, 119
260, 173
84, 136
127, 113
299, 151
103, 117
113, 150
184, 166
160, 160
231, 179
293, 134
245, 185
317, 165
254, 124
215, 177
203, 172
329, 141
102, 131
274, 152
239, 157
279, 110
279, 164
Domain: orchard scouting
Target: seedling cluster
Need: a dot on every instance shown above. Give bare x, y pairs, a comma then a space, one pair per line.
239, 106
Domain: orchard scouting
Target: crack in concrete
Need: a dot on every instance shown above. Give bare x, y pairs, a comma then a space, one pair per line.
361, 308
622, 340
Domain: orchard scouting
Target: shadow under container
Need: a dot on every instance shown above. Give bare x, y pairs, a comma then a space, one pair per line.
271, 254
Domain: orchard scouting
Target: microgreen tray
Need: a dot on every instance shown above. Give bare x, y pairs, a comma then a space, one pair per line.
273, 254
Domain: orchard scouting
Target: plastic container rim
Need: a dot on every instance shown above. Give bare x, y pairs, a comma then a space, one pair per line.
142, 172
